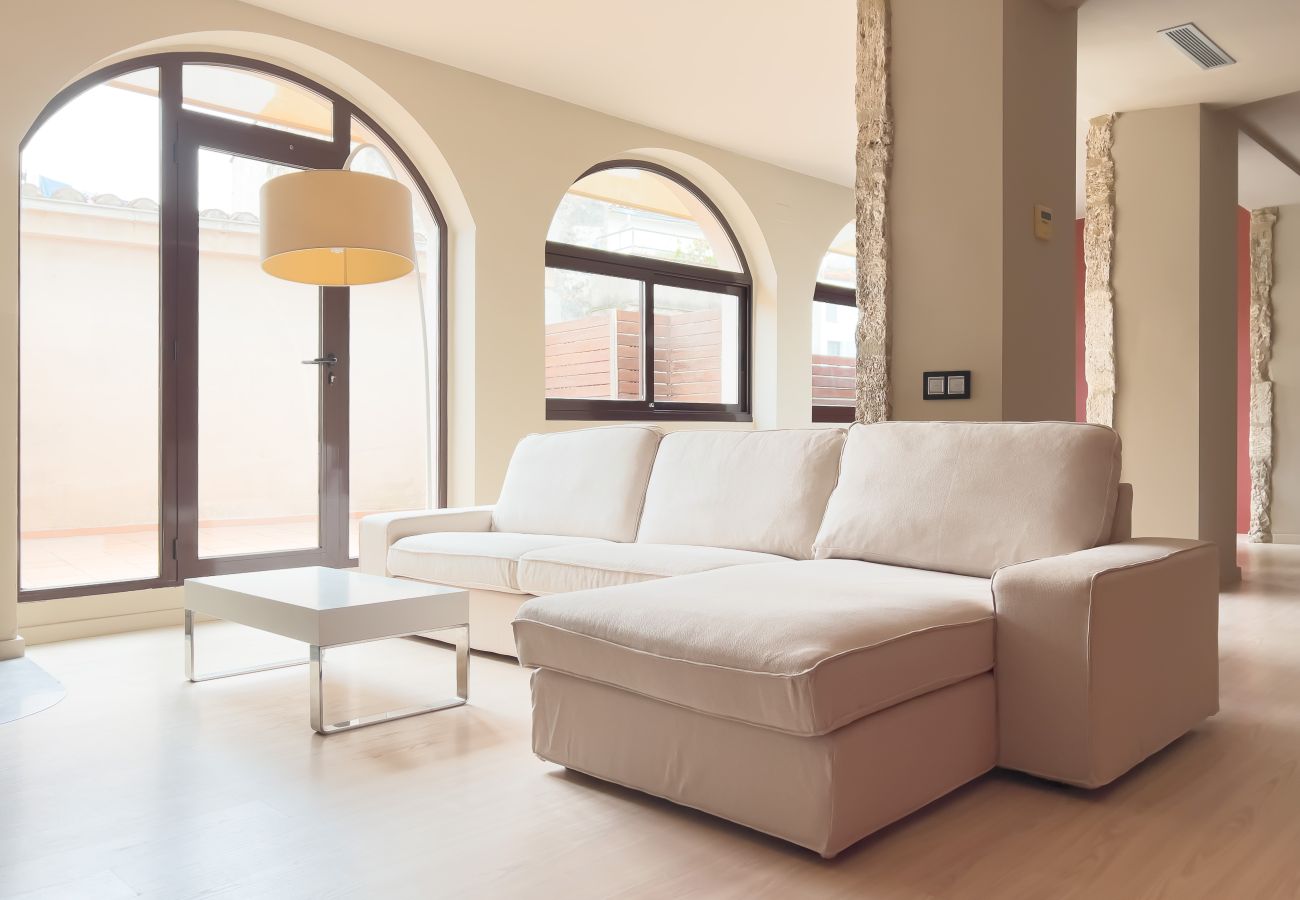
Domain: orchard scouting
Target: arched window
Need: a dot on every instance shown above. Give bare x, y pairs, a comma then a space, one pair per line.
834, 331
168, 427
647, 301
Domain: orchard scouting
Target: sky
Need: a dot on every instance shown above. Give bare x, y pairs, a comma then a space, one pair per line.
105, 141
121, 126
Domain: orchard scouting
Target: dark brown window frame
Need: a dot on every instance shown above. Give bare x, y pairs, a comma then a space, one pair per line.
650, 272
181, 133
839, 296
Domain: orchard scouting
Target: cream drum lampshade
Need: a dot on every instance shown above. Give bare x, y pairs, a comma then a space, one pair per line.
335, 227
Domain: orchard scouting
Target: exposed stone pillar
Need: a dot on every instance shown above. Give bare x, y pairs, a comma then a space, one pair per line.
875, 142
1098, 246
983, 100
1261, 383
1175, 288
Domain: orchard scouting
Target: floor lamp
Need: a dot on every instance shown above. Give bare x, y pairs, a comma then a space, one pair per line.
334, 227
337, 228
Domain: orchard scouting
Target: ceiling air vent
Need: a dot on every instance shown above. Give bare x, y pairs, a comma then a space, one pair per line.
1197, 45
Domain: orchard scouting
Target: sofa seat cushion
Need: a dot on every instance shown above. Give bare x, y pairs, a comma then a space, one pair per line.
487, 560
801, 647
578, 567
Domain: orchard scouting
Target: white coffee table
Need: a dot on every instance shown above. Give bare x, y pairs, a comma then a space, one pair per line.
327, 608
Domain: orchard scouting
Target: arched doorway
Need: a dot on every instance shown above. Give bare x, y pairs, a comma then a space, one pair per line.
168, 427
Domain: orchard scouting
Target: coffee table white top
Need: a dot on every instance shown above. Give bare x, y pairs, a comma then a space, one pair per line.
326, 607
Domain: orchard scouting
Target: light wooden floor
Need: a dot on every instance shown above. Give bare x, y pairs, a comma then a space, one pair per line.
139, 784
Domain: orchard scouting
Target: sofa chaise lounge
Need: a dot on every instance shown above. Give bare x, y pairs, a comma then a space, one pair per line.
815, 632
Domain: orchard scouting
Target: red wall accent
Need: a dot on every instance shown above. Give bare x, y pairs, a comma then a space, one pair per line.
1243, 357
1243, 371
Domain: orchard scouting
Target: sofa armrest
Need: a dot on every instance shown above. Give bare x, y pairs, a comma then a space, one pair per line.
1105, 656
381, 530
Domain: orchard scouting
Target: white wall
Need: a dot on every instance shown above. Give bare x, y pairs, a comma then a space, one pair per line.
498, 158
89, 334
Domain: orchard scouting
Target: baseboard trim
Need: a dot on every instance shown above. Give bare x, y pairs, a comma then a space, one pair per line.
1285, 538
43, 621
13, 647
81, 628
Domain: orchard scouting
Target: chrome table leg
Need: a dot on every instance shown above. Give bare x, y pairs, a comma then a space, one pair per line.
316, 677
189, 658
189, 644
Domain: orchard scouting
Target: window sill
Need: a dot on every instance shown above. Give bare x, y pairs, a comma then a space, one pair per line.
636, 411
833, 414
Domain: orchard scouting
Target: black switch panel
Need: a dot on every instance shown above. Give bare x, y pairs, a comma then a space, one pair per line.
954, 385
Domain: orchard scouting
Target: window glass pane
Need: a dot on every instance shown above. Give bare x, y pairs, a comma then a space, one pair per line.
834, 357
593, 336
394, 365
840, 264
89, 339
243, 95
642, 213
697, 344
258, 404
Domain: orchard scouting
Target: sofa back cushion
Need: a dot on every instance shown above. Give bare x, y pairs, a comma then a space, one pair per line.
969, 498
1122, 528
764, 491
585, 483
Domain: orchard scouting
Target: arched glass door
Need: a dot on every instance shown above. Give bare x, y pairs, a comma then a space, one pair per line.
262, 450
221, 398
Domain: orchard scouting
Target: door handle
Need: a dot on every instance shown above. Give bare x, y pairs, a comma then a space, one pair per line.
330, 360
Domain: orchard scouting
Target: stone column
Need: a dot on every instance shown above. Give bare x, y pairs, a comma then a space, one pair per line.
1174, 280
1261, 382
875, 144
983, 98
1098, 250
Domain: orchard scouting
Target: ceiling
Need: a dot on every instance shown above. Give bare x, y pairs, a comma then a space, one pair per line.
1268, 155
773, 80
1125, 65
766, 78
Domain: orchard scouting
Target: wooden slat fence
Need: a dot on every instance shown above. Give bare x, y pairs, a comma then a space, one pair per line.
834, 378
581, 355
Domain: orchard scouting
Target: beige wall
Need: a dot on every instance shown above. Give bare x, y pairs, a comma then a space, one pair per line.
1174, 277
1285, 371
1217, 258
498, 159
983, 97
1038, 166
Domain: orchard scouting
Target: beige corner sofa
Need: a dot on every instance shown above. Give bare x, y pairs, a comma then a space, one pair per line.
815, 632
